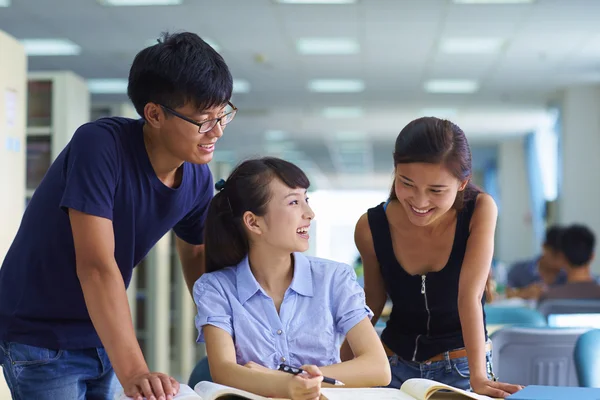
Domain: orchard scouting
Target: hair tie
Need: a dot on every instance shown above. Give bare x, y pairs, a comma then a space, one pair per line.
220, 185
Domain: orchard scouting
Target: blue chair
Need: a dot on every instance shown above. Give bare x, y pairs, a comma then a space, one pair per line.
500, 315
200, 373
587, 359
536, 355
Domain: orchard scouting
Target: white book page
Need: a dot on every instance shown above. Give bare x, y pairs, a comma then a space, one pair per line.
185, 393
423, 389
365, 394
212, 391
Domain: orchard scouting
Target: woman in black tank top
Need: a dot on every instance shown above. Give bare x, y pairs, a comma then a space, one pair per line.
429, 248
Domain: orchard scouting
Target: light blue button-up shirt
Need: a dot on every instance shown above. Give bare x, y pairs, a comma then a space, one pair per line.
322, 304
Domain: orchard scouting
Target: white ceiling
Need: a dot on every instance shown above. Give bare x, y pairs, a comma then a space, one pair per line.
548, 45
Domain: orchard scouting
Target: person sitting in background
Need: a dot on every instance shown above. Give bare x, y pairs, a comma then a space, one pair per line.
529, 279
578, 252
263, 303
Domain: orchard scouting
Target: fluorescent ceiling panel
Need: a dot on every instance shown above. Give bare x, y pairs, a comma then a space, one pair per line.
451, 86
140, 2
107, 86
343, 112
493, 1
336, 86
50, 47
4, 3
333, 46
316, 1
241, 86
474, 45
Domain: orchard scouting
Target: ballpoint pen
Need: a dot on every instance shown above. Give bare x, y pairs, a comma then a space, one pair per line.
297, 371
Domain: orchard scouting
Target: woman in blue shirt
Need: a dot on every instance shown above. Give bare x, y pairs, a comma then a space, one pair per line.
263, 303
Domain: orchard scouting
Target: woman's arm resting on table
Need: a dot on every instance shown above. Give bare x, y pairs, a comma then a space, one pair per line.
369, 367
225, 370
473, 277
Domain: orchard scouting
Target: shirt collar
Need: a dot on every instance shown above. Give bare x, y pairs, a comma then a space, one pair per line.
246, 282
301, 282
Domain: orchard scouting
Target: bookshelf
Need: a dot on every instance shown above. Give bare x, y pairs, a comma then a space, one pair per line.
58, 103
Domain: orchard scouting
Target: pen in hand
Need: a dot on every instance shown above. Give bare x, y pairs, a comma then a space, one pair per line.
297, 371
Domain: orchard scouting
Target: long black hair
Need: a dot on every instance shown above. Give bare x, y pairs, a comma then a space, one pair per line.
434, 141
246, 189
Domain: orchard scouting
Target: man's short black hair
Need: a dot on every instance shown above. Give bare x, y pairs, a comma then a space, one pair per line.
553, 237
180, 68
578, 245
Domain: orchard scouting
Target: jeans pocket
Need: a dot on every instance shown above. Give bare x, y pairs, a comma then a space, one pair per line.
461, 367
26, 355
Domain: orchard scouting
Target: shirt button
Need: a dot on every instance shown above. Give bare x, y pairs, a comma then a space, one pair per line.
279, 331
282, 359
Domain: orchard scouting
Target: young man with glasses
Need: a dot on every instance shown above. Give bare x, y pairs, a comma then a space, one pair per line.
113, 192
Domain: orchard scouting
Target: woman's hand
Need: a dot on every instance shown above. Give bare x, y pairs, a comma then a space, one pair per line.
306, 386
493, 389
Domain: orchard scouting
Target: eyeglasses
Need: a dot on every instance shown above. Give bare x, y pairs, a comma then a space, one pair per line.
207, 125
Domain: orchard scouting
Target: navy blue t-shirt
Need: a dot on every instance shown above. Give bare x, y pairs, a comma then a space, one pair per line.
104, 171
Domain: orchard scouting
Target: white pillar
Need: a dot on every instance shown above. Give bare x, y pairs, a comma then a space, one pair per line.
13, 87
185, 341
579, 193
157, 303
514, 233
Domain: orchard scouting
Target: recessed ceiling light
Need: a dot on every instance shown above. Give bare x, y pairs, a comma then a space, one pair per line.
4, 3
336, 86
335, 46
343, 112
50, 47
140, 2
241, 86
316, 1
474, 45
107, 86
493, 1
451, 86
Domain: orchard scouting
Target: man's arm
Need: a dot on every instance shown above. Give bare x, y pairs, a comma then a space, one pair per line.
106, 301
192, 262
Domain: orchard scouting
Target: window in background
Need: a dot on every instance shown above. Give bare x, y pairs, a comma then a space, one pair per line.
546, 144
337, 212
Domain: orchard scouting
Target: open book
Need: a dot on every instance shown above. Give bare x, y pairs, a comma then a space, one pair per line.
207, 391
412, 389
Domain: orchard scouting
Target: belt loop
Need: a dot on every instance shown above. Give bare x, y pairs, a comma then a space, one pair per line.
447, 361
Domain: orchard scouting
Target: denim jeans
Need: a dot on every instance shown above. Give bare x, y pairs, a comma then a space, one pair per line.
453, 372
48, 374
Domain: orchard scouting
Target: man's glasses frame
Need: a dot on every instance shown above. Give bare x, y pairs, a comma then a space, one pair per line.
208, 125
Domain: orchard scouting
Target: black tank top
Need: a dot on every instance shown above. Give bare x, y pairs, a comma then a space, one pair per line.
424, 321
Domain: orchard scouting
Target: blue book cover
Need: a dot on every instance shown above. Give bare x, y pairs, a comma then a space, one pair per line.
535, 392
